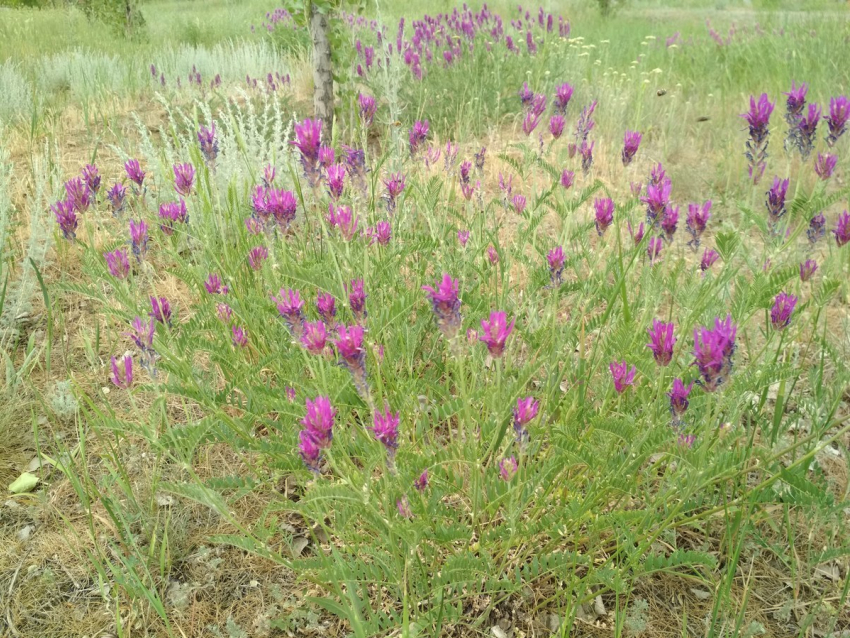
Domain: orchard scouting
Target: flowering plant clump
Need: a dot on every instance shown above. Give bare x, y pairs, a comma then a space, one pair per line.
435, 356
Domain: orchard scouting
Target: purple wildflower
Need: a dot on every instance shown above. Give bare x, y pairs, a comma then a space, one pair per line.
530, 122
825, 165
563, 94
382, 233
308, 138
631, 143
446, 305
314, 337
171, 212
696, 222
807, 269
842, 229
160, 310
783, 308
604, 208
519, 203
807, 128
713, 351
66, 217
839, 114
669, 222
223, 312
508, 468
636, 236
495, 333
214, 285
309, 451
555, 257
139, 238
122, 373
556, 125
567, 178
656, 199
586, 151
653, 250
622, 376
290, 306
776, 201
134, 172
524, 413
318, 421
335, 180
208, 143
679, 400
256, 256
91, 178
421, 483
352, 355
480, 158
282, 205
418, 135
342, 218
357, 300
385, 427
463, 237
661, 342
368, 108
395, 187
117, 263
817, 228
78, 194
116, 196
708, 259
326, 306
239, 336
794, 112
403, 507
184, 178
758, 118
492, 255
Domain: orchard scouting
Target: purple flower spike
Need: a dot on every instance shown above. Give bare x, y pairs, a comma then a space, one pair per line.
134, 172
807, 269
290, 394
776, 201
631, 143
526, 95
421, 483
556, 125
214, 285
290, 306
343, 219
636, 236
604, 208
382, 233
117, 263
208, 143
327, 156
314, 337
807, 130
418, 135
825, 165
239, 336
395, 187
309, 451
783, 308
758, 118
661, 342
160, 310
708, 259
335, 180
656, 199
653, 250
403, 507
368, 108
563, 95
842, 229
816, 229
508, 468
139, 238
446, 305
530, 122
352, 355
794, 106
635, 188
567, 178
519, 203
308, 138
281, 204
524, 413
463, 237
713, 351
116, 196
495, 333
679, 400
480, 158
269, 173
122, 372
79, 194
556, 259
623, 377
184, 178
256, 256
66, 217
326, 306
657, 175
385, 427
696, 222
142, 333
318, 421
669, 222
92, 178
357, 300
839, 114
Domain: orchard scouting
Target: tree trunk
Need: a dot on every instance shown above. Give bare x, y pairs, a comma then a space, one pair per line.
323, 91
